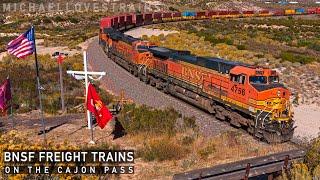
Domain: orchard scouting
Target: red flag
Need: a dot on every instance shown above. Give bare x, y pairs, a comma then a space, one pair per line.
60, 59
5, 94
96, 106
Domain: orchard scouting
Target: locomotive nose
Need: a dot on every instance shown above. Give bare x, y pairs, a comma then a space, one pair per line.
281, 109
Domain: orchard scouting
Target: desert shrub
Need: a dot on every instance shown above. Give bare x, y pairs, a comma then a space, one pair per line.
52, 103
146, 119
293, 57
162, 149
173, 9
309, 43
187, 140
22, 75
207, 150
241, 47
300, 171
46, 20
311, 168
58, 19
229, 41
314, 46
232, 138
73, 20
303, 42
190, 122
313, 154
316, 172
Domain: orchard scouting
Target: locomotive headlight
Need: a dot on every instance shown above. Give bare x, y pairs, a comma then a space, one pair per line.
278, 93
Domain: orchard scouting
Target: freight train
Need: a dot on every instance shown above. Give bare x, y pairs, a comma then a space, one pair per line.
128, 21
246, 96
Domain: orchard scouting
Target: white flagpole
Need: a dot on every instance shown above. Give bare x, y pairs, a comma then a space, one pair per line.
87, 84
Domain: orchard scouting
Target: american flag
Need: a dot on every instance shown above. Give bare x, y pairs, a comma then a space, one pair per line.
23, 45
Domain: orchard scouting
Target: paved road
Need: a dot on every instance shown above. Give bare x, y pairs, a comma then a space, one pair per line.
118, 79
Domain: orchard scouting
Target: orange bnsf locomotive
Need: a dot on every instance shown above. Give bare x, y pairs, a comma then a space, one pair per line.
246, 96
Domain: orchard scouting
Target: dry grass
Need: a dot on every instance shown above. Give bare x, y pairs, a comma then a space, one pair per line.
187, 151
160, 156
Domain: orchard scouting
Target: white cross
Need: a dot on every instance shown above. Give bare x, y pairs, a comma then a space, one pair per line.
85, 73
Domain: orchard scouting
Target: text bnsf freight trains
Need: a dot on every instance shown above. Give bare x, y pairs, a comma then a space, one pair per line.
246, 96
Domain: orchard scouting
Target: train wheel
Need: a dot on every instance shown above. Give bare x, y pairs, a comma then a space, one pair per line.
220, 113
273, 137
130, 69
152, 81
143, 74
135, 72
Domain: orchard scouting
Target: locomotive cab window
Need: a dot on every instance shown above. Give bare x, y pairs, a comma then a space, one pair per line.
241, 79
258, 79
273, 79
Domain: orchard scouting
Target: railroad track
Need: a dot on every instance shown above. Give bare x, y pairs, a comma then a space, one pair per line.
265, 167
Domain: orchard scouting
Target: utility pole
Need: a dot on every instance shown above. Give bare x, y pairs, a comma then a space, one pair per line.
60, 57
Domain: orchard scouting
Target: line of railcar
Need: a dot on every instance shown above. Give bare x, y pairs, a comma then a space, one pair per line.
127, 21
246, 96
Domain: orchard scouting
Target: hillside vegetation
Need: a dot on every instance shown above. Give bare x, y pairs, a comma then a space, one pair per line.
56, 30
290, 45
22, 75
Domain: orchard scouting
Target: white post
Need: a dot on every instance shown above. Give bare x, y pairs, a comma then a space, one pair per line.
86, 84
86, 74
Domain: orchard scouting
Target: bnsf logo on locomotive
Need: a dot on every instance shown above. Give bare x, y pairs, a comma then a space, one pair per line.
194, 74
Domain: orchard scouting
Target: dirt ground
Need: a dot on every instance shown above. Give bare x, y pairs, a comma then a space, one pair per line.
307, 120
74, 132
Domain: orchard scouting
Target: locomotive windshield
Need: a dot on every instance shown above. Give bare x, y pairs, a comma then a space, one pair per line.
262, 83
258, 80
273, 79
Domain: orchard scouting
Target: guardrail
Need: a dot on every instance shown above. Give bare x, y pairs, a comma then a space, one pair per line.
249, 168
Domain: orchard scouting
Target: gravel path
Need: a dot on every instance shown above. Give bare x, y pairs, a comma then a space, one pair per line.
118, 79
307, 120
35, 121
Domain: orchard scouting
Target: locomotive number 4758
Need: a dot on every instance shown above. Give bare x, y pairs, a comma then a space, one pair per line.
238, 90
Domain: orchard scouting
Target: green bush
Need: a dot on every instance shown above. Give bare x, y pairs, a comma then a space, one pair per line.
206, 151
303, 43
314, 46
58, 19
146, 119
190, 122
46, 20
241, 47
74, 20
187, 140
313, 155
22, 75
293, 57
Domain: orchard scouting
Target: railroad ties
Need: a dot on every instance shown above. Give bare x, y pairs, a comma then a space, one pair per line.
265, 166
